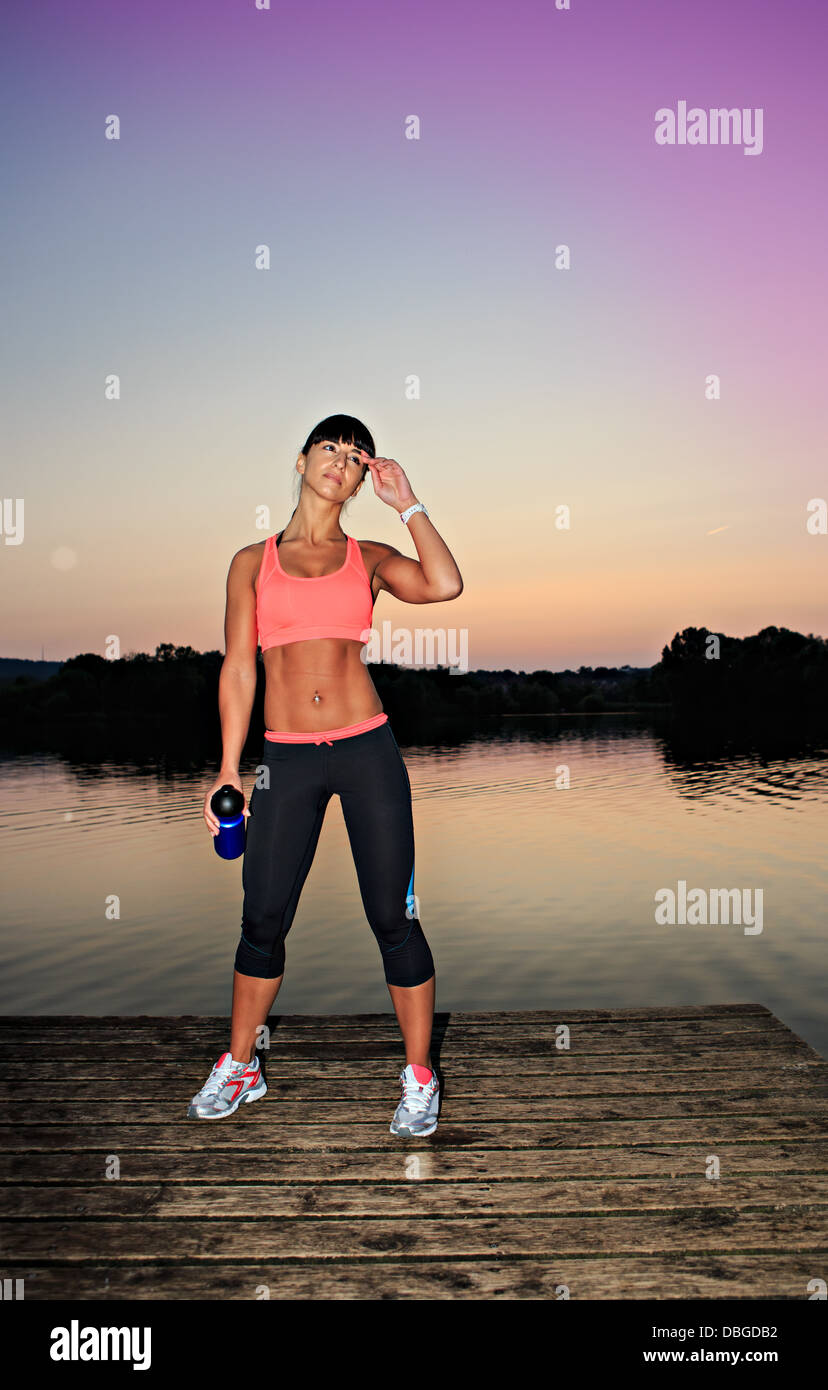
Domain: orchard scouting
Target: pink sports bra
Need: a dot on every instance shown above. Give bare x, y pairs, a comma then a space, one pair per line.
290, 608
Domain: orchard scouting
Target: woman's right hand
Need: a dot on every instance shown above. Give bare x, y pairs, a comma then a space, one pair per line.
224, 779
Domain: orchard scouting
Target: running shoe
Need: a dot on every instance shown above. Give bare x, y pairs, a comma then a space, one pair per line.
229, 1085
416, 1114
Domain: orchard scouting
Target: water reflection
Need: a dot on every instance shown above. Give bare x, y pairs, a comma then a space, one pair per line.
539, 851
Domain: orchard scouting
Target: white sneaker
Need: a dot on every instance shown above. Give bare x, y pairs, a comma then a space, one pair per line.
416, 1114
229, 1085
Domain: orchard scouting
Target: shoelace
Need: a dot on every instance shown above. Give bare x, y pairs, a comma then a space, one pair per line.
218, 1078
412, 1096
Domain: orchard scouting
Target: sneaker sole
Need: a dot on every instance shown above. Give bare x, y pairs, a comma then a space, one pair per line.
405, 1133
253, 1094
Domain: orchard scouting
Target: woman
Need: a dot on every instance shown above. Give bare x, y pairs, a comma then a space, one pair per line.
307, 597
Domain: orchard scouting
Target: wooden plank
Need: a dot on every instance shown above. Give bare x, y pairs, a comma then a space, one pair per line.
325, 1082
592, 1030
14, 1022
371, 1200
537, 1054
258, 1138
223, 1164
773, 1275
705, 1070
275, 1111
712, 1229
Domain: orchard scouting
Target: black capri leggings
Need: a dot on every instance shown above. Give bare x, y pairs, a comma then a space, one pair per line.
368, 774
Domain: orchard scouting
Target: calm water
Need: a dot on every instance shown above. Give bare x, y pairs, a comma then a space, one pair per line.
532, 894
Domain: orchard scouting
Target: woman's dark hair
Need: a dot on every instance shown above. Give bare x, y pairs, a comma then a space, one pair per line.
336, 427
344, 427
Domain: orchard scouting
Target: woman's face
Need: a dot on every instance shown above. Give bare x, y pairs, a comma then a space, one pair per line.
335, 469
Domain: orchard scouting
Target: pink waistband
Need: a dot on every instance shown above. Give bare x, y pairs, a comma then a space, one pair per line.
328, 735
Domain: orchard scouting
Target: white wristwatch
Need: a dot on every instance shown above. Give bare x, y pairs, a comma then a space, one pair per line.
418, 507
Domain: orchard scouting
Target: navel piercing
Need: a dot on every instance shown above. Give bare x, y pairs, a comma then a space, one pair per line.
317, 697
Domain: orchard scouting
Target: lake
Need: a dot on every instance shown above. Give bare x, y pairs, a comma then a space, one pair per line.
533, 894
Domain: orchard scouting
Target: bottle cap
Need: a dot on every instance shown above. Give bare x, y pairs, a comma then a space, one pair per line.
226, 802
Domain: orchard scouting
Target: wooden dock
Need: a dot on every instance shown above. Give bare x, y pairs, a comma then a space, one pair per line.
581, 1171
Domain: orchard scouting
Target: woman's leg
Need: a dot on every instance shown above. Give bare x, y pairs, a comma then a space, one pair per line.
252, 1002
283, 831
371, 778
414, 1007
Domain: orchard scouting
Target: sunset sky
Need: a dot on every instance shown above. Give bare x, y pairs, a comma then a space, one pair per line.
432, 259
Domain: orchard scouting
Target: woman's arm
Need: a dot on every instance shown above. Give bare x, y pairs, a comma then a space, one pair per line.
237, 681
433, 577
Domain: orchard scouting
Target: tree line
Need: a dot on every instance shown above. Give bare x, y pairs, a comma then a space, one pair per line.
170, 698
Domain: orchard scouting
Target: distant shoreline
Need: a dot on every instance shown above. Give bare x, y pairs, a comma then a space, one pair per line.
166, 703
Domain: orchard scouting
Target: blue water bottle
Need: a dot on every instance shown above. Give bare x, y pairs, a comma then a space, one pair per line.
227, 805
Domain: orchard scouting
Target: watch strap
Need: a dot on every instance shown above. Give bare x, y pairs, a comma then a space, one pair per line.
417, 507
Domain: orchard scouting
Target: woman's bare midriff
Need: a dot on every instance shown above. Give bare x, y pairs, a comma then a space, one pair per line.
330, 667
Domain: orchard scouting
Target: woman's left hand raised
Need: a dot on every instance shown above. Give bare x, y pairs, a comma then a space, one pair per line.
390, 482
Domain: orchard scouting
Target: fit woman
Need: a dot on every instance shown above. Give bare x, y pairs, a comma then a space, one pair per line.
306, 596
